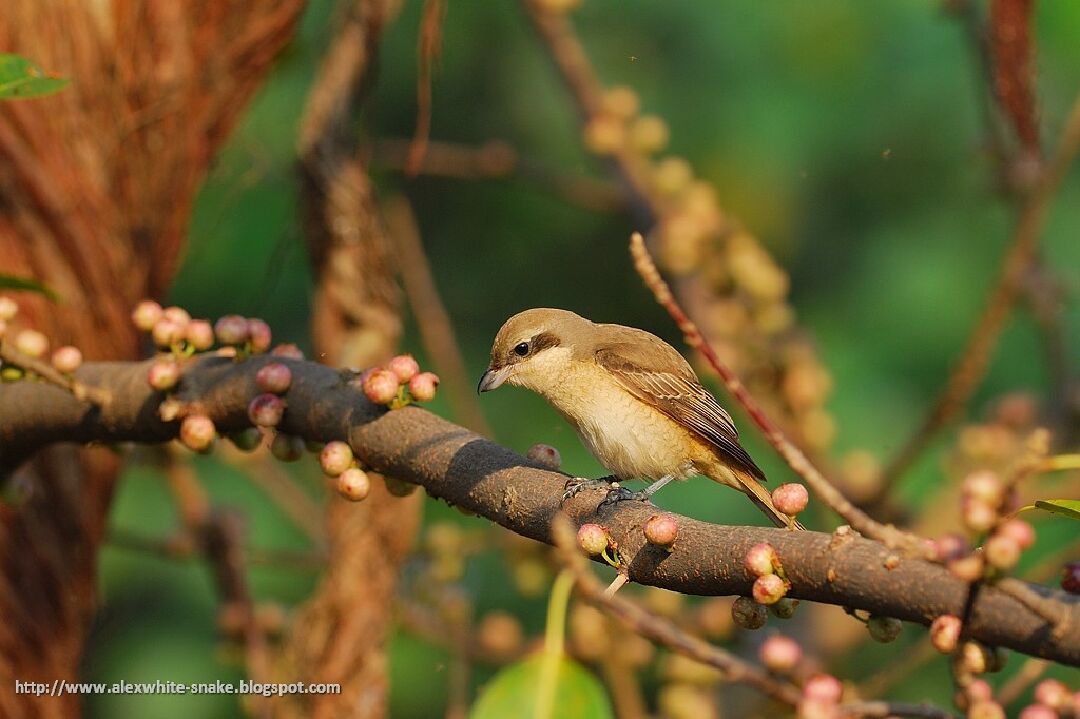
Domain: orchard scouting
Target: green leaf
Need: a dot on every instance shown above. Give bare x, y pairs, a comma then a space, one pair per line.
11, 282
1068, 507
512, 692
20, 77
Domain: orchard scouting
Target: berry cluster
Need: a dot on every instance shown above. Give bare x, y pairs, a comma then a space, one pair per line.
399, 383
34, 345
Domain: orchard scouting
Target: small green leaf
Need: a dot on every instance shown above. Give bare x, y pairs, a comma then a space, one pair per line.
11, 282
1068, 507
20, 77
512, 692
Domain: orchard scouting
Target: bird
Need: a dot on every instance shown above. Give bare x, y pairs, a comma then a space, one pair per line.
634, 400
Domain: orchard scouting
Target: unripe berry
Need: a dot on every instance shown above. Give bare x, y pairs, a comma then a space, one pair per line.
761, 559
1001, 551
8, 308
984, 486
335, 458
274, 378
354, 484
197, 432
200, 335
790, 498
748, 614
67, 359
246, 440
166, 333
288, 350
974, 657
178, 315
1020, 531
32, 343
381, 386
1070, 579
1052, 693
146, 314
287, 447
593, 538
266, 410
661, 530
546, 455
260, 335
884, 629
769, 589
785, 608
620, 101
399, 487
163, 375
1037, 711
967, 569
945, 633
780, 654
422, 386
604, 134
823, 687
232, 330
985, 710
404, 366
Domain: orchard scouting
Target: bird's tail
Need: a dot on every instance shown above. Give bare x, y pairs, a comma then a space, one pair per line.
760, 496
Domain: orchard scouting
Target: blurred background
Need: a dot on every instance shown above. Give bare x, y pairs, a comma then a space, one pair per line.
846, 135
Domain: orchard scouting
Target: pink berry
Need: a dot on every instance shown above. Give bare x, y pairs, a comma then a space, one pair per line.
8, 308
790, 498
1037, 711
823, 687
1001, 551
950, 546
884, 629
178, 315
32, 343
979, 690
780, 654
67, 359
593, 538
967, 569
273, 377
232, 330
661, 530
163, 375
769, 589
335, 458
287, 447
1020, 531
404, 366
288, 350
166, 333
197, 432
985, 710
545, 455
354, 484
748, 614
1052, 693
984, 486
381, 386
146, 314
945, 633
200, 335
260, 335
761, 559
422, 386
1070, 580
266, 410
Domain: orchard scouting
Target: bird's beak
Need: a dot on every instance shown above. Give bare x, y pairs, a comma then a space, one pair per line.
492, 379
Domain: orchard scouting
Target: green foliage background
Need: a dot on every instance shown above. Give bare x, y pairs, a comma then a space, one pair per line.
845, 133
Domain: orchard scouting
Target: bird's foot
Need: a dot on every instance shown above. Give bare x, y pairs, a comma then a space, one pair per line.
621, 494
577, 484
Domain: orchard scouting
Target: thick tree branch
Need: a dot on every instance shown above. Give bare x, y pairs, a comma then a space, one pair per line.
465, 469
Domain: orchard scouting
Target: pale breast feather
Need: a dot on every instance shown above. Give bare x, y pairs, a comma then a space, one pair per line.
677, 393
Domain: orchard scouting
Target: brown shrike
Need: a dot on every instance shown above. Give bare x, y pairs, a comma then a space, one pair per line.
634, 401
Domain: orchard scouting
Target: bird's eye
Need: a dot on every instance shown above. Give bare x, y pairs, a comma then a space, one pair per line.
522, 349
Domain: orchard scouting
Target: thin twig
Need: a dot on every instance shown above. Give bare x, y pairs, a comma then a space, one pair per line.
1030, 670
975, 358
11, 356
1045, 608
796, 459
182, 548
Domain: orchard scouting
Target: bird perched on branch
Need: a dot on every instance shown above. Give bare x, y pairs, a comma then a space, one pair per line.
634, 400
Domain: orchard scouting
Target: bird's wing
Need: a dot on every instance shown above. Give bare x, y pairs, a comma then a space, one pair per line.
657, 374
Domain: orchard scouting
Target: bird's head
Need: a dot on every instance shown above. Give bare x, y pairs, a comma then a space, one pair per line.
532, 348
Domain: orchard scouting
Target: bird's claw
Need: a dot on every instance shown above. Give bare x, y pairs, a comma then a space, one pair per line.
621, 494
577, 484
